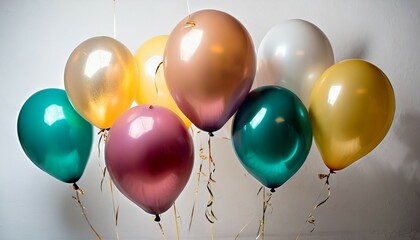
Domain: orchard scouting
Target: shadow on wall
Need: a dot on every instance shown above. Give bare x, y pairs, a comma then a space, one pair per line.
358, 50
408, 133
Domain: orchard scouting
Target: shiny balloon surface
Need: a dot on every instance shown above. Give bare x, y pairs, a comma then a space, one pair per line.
150, 155
293, 55
54, 136
209, 64
352, 107
272, 135
101, 80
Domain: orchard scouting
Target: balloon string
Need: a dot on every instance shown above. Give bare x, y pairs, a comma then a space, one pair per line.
176, 222
265, 204
311, 219
211, 217
188, 7
161, 230
211, 231
199, 173
104, 171
115, 20
247, 224
155, 81
116, 210
80, 191
189, 22
103, 136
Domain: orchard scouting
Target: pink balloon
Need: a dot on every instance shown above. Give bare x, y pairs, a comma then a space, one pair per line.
150, 155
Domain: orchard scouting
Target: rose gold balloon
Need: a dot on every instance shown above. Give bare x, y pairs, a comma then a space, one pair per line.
209, 64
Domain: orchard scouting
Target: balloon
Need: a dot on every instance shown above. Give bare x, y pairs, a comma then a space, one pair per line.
272, 135
54, 136
293, 55
149, 155
101, 80
209, 66
352, 107
153, 89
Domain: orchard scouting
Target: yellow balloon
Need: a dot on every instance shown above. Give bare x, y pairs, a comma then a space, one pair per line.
352, 106
153, 89
101, 80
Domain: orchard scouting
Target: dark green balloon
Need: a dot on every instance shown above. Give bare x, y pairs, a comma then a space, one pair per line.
54, 136
272, 135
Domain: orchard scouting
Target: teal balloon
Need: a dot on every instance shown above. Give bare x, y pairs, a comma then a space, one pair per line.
54, 136
272, 135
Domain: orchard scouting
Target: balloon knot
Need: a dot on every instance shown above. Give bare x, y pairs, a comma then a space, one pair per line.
211, 134
75, 187
157, 218
189, 24
332, 171
151, 107
272, 190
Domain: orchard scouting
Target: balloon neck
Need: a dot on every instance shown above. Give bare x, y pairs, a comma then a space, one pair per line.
157, 218
75, 187
332, 171
151, 107
272, 190
211, 134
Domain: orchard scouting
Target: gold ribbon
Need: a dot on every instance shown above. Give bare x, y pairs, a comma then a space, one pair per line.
80, 191
265, 204
211, 217
161, 228
176, 215
203, 157
104, 136
311, 219
116, 210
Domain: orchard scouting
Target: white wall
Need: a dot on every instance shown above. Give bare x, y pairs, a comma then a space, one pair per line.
376, 198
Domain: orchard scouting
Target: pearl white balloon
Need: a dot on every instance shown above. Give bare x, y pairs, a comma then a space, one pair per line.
293, 55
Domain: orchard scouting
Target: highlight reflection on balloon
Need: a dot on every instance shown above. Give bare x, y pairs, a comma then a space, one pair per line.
352, 108
101, 80
209, 67
153, 89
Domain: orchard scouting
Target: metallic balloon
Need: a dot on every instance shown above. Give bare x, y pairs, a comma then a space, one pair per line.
209, 65
352, 108
153, 89
54, 136
272, 135
150, 155
293, 55
101, 80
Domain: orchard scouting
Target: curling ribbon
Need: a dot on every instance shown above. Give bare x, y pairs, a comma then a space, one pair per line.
311, 219
80, 191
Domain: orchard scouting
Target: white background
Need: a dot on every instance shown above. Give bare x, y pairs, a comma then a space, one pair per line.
376, 198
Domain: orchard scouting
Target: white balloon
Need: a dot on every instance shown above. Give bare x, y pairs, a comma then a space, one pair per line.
293, 55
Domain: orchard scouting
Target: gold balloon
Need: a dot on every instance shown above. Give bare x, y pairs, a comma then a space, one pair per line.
101, 80
352, 107
153, 88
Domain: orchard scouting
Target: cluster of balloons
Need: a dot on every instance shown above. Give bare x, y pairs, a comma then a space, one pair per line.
351, 106
202, 74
